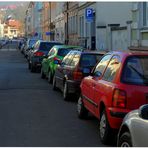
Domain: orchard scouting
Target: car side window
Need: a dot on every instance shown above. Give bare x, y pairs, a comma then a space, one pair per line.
75, 60
112, 68
102, 65
52, 52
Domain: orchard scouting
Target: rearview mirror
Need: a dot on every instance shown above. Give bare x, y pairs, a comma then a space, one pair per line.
143, 111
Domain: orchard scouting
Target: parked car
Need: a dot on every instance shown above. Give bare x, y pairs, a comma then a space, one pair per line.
133, 131
55, 56
39, 51
74, 67
29, 46
117, 85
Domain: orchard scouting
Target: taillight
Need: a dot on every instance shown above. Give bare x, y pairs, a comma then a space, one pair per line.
77, 75
56, 59
119, 98
38, 53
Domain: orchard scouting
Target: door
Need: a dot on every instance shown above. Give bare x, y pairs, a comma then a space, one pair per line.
119, 39
91, 84
46, 62
61, 70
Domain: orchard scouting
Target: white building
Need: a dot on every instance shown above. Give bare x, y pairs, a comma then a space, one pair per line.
59, 23
112, 29
139, 26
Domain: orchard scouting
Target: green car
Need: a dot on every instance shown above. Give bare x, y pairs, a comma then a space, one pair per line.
55, 56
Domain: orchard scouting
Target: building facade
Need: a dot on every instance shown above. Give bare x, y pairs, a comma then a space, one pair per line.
139, 25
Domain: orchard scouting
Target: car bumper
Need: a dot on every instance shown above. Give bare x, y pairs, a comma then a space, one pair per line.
36, 61
73, 86
115, 116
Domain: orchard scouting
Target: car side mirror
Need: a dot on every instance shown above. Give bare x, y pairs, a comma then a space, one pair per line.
143, 111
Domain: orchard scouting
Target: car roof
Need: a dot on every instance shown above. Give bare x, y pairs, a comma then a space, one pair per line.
130, 52
66, 46
89, 52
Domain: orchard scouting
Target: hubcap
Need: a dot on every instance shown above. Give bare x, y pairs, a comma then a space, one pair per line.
102, 125
79, 105
125, 144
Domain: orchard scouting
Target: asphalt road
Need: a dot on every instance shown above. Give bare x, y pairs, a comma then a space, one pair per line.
32, 114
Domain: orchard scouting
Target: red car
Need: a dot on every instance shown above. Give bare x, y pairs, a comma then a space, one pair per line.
117, 85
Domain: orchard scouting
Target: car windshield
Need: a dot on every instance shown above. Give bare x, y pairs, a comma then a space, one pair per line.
63, 51
31, 42
89, 60
136, 70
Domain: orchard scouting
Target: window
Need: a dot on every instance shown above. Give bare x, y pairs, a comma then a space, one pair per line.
82, 26
31, 42
89, 60
68, 58
75, 60
112, 69
102, 64
63, 51
52, 52
144, 13
135, 70
45, 46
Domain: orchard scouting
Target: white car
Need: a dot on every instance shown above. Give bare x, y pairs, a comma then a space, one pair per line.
134, 129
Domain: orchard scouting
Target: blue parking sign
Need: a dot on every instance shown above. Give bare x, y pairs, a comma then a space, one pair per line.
89, 14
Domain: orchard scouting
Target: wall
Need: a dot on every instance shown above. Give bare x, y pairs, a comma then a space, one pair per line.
110, 13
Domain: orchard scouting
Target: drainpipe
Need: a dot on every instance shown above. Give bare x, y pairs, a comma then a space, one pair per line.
67, 23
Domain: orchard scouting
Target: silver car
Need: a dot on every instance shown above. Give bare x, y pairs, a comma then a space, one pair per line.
134, 129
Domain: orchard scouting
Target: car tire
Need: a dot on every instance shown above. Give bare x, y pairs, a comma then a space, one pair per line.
42, 74
54, 83
125, 140
65, 92
50, 77
81, 110
32, 68
104, 129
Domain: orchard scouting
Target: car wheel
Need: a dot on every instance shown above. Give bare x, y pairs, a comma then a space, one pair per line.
32, 68
125, 140
42, 74
50, 77
65, 92
104, 129
54, 83
81, 110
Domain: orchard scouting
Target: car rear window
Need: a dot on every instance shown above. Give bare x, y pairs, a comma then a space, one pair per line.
46, 46
63, 51
31, 42
136, 70
89, 60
